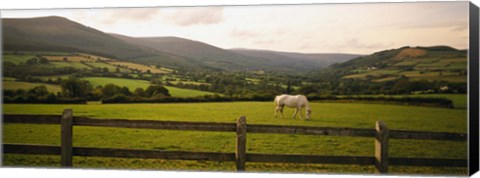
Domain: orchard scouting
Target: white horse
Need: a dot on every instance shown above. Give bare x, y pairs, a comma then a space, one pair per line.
298, 101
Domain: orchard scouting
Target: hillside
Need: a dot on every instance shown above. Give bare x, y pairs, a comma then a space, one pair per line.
202, 54
416, 63
299, 61
211, 56
60, 34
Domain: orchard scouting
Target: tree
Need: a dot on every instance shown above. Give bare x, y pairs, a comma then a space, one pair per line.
153, 90
125, 91
105, 70
73, 87
31, 61
110, 89
140, 92
38, 91
43, 60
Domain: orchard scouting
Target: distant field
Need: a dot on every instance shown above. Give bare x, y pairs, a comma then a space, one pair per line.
140, 67
189, 82
17, 59
53, 77
111, 68
356, 115
38, 53
132, 84
13, 85
69, 58
77, 65
180, 92
373, 73
425, 68
459, 100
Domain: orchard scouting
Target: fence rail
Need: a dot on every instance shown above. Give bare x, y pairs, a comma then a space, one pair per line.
381, 133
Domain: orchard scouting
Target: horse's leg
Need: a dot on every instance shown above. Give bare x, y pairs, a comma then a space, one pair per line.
276, 111
302, 114
281, 111
295, 113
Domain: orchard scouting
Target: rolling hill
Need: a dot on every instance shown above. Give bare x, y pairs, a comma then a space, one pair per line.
212, 56
55, 33
416, 63
60, 34
197, 53
298, 61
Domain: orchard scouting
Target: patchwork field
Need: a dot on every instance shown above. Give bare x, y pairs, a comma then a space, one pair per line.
14, 85
132, 84
430, 68
355, 115
140, 67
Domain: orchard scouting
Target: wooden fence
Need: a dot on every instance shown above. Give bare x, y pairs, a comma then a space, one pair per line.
381, 133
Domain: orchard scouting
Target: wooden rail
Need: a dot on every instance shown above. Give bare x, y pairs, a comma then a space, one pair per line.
381, 133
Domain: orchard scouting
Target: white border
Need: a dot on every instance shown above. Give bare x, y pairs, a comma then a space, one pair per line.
73, 173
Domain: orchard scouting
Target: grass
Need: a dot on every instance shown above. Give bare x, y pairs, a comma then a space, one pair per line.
111, 68
140, 67
373, 73
181, 92
189, 82
14, 85
355, 115
53, 77
76, 65
69, 58
16, 59
459, 100
133, 84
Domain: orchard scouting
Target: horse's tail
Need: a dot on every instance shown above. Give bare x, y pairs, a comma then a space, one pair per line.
275, 100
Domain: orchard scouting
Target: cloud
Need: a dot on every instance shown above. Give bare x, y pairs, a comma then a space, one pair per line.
119, 15
142, 14
195, 16
355, 43
243, 34
265, 42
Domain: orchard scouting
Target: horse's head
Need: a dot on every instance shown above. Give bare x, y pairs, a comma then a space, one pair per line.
308, 113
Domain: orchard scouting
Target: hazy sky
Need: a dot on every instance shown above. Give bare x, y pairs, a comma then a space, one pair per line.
322, 28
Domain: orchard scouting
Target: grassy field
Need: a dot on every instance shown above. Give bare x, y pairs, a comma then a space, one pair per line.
111, 68
14, 85
132, 84
69, 58
141, 67
459, 100
356, 115
77, 65
17, 59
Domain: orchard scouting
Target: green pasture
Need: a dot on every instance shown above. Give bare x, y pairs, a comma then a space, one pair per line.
111, 68
373, 73
133, 84
355, 115
62, 64
459, 100
16, 59
14, 85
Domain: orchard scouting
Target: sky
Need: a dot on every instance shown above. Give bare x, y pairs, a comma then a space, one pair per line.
322, 28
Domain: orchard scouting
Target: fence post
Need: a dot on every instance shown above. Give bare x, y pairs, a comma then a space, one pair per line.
66, 138
381, 147
241, 144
